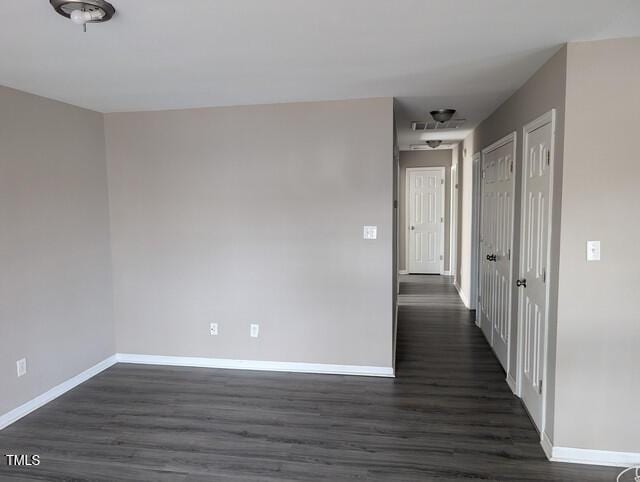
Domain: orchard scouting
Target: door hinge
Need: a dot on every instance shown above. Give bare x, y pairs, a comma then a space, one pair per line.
395, 203
544, 275
548, 158
441, 219
441, 181
441, 257
540, 387
508, 253
511, 166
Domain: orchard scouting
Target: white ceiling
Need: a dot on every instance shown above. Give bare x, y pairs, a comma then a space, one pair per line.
160, 54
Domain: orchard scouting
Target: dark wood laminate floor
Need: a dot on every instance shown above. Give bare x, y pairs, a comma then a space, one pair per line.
448, 415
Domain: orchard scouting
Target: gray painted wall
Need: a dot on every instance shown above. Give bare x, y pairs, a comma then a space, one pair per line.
435, 158
593, 381
254, 214
55, 281
545, 90
598, 363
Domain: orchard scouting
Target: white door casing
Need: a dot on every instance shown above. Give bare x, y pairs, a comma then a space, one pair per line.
496, 245
453, 232
425, 223
476, 162
533, 297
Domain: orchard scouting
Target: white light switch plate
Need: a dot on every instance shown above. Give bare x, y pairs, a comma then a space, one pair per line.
213, 329
370, 232
593, 250
21, 367
254, 330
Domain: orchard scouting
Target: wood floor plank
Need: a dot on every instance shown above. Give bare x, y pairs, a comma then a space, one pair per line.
448, 415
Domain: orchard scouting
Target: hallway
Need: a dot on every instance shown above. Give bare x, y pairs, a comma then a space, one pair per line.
448, 415
465, 403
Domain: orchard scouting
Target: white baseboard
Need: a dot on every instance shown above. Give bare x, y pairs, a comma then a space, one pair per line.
463, 296
403, 271
183, 361
588, 456
512, 385
28, 407
41, 400
547, 446
595, 457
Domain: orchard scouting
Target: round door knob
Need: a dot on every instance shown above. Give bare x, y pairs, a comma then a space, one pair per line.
521, 283
412, 228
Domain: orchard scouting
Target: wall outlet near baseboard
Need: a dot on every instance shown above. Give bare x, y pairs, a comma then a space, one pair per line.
213, 329
254, 330
21, 367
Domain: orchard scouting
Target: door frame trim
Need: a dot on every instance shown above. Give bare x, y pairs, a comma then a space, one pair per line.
546, 118
453, 224
407, 191
476, 200
511, 137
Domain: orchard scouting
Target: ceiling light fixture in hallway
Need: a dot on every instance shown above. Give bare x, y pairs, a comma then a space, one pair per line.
86, 11
442, 115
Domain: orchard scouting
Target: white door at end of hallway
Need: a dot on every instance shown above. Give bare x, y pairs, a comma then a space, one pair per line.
495, 247
425, 220
534, 249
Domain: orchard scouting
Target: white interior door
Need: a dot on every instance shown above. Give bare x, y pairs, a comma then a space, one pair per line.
534, 249
496, 245
426, 220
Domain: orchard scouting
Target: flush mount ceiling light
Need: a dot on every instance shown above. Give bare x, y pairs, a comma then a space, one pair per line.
433, 144
426, 147
84, 12
442, 115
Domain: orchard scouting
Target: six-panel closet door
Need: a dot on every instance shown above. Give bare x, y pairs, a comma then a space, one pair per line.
496, 245
534, 261
497, 273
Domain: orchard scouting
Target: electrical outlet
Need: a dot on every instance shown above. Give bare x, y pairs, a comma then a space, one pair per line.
213, 329
255, 329
21, 366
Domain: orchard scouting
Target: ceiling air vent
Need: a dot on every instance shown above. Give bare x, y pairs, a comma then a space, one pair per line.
436, 126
